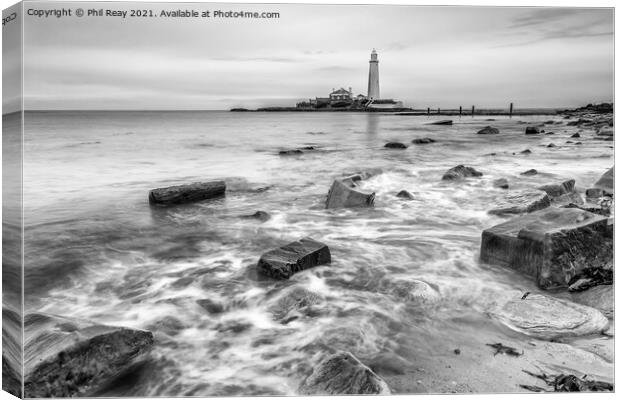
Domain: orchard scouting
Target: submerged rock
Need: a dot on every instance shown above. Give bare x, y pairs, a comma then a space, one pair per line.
258, 215
600, 297
403, 194
529, 172
575, 135
442, 122
501, 183
489, 130
293, 152
425, 140
520, 202
551, 245
395, 145
549, 318
412, 291
73, 358
532, 130
342, 373
460, 172
283, 262
210, 306
294, 302
187, 193
344, 193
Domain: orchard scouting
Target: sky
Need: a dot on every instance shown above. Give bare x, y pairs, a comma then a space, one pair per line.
428, 56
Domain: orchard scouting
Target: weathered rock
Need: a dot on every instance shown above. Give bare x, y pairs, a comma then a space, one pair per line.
501, 183
259, 215
488, 130
532, 130
529, 172
549, 318
519, 202
283, 262
425, 140
210, 306
342, 373
294, 302
575, 135
460, 172
344, 193
412, 291
73, 358
403, 194
551, 245
187, 193
442, 122
600, 297
395, 145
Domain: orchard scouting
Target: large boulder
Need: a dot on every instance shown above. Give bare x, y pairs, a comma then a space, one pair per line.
187, 193
342, 374
548, 318
522, 201
488, 130
460, 172
283, 262
73, 358
562, 193
600, 297
344, 193
551, 245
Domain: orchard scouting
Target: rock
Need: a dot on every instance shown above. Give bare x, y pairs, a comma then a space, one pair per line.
529, 172
11, 379
532, 130
551, 145
342, 374
412, 291
293, 152
364, 174
344, 193
211, 306
605, 132
259, 215
187, 193
442, 122
549, 133
569, 141
575, 135
526, 151
562, 194
600, 209
395, 145
488, 130
425, 140
293, 302
403, 194
519, 202
599, 297
501, 183
551, 245
606, 182
459, 172
73, 358
548, 318
283, 262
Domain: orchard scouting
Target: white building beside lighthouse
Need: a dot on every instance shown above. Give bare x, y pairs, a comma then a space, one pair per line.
373, 77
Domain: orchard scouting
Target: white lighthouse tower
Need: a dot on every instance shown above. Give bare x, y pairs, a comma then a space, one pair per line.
373, 77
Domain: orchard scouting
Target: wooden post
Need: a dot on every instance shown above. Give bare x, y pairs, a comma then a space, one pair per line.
510, 110
460, 110
473, 109
428, 111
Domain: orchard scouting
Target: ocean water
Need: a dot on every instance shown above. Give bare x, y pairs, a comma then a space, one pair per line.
95, 249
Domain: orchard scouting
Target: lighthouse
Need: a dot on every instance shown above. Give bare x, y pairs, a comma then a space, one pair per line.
373, 77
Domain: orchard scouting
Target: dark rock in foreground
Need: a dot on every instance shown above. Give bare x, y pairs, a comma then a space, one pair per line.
529, 172
442, 122
73, 358
551, 245
342, 373
187, 193
287, 260
489, 130
344, 193
549, 318
460, 172
403, 194
425, 140
532, 130
520, 202
501, 183
395, 145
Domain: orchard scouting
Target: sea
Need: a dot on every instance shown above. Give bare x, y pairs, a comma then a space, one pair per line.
95, 249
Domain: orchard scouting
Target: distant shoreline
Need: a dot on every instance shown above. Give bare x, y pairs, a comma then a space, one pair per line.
413, 112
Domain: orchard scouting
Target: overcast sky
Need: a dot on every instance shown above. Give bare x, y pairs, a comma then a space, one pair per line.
429, 56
